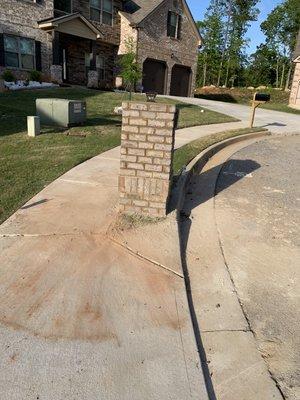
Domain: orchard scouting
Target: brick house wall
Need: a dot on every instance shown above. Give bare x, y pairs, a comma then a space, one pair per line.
19, 17
153, 41
111, 33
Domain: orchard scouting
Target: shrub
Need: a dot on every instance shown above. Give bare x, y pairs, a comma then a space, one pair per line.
35, 76
8, 76
46, 78
130, 69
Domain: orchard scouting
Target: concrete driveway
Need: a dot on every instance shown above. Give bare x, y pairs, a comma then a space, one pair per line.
275, 121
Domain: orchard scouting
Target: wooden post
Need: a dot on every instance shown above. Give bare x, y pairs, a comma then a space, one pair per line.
254, 107
255, 104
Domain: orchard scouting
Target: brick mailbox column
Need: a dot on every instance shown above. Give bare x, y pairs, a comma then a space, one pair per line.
148, 135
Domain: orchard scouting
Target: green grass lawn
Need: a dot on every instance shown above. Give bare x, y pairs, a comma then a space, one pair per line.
29, 164
187, 153
279, 98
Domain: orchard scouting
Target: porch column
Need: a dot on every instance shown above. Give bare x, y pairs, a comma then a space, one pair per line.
55, 49
56, 69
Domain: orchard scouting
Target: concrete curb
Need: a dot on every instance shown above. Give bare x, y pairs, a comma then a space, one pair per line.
202, 158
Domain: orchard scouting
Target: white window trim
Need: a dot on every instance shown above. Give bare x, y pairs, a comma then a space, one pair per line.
177, 25
102, 68
20, 54
101, 13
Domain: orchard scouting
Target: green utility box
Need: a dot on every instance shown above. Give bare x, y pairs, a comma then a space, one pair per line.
61, 112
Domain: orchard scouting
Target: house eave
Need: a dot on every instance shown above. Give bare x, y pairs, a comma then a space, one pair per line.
50, 25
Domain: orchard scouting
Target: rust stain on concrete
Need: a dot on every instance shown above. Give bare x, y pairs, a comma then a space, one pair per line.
82, 288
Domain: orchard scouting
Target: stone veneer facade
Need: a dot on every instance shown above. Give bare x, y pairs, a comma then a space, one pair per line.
295, 90
148, 134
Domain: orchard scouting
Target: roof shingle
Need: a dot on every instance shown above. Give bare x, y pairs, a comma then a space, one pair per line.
142, 9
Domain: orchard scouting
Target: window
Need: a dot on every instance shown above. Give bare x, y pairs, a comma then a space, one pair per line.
102, 11
100, 65
63, 5
88, 58
19, 52
174, 25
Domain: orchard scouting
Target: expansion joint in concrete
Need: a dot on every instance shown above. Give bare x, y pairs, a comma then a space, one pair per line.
225, 330
234, 286
145, 258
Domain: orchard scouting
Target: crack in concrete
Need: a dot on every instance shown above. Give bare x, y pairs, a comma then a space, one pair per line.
143, 257
225, 330
124, 246
250, 329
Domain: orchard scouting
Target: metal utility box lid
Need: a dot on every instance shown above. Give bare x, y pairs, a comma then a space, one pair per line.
61, 112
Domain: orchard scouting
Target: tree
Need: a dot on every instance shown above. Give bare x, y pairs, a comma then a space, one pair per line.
212, 31
262, 68
224, 28
131, 71
281, 28
240, 13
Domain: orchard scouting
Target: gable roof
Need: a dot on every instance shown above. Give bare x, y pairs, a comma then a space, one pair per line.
52, 23
142, 9
297, 50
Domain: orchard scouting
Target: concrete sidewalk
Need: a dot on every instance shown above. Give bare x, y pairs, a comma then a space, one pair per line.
277, 122
81, 315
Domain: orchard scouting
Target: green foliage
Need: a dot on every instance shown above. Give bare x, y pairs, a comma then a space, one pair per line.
184, 155
224, 29
131, 71
281, 28
212, 31
8, 76
35, 76
223, 60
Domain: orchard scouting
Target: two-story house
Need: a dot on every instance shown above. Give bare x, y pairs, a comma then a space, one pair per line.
79, 41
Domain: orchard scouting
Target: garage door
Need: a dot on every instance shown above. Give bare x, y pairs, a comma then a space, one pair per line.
180, 81
154, 75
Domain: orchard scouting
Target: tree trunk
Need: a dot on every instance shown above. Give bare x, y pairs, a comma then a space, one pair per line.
204, 73
282, 76
220, 72
225, 43
227, 72
287, 83
277, 73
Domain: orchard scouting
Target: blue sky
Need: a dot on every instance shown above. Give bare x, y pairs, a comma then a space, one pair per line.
199, 7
